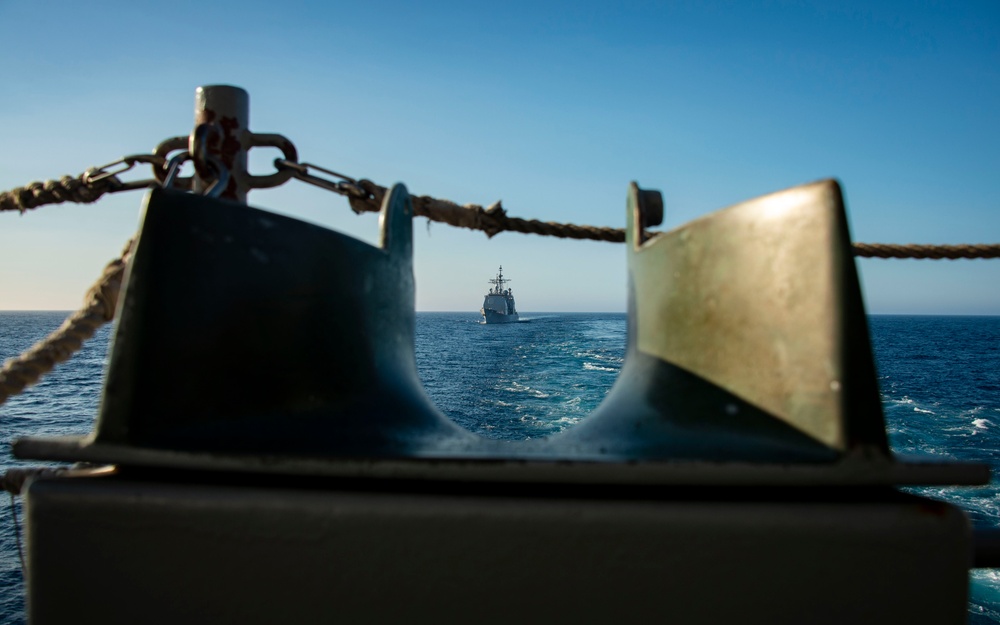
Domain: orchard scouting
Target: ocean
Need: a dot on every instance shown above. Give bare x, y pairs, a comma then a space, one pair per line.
939, 376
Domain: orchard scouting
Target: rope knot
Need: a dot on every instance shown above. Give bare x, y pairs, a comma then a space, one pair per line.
371, 201
492, 220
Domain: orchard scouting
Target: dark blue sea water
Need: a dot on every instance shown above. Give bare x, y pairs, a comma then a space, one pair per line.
940, 380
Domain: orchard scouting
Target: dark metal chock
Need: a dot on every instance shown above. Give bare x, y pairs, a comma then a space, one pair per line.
247, 332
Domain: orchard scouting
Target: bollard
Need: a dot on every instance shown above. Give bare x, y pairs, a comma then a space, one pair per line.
227, 108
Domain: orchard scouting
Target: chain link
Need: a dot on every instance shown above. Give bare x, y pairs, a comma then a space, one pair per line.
163, 150
344, 185
206, 164
96, 175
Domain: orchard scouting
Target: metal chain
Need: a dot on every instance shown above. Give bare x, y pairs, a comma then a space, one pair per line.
88, 187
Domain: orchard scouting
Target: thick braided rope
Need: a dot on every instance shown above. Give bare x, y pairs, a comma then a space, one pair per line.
66, 189
491, 220
936, 252
494, 219
99, 308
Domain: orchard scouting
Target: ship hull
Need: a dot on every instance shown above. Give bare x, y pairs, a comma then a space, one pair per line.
492, 316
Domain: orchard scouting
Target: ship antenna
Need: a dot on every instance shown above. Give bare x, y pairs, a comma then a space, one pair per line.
498, 282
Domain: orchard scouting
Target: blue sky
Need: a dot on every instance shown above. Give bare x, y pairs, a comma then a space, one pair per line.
552, 107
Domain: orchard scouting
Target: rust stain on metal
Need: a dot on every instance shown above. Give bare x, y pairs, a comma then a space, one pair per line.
230, 144
227, 148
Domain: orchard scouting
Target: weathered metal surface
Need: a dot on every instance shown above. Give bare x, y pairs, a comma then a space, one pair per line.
228, 109
747, 338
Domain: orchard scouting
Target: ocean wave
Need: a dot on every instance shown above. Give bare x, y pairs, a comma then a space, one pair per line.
989, 575
589, 366
517, 387
598, 355
564, 422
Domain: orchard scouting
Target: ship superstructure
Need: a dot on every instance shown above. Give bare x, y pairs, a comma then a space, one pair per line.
498, 305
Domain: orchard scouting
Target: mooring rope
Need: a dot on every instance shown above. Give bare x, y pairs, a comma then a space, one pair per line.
934, 252
492, 220
98, 309
86, 188
66, 189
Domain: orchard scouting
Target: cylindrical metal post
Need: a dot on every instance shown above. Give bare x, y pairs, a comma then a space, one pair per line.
228, 108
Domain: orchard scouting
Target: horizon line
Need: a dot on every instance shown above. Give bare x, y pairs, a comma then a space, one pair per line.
565, 312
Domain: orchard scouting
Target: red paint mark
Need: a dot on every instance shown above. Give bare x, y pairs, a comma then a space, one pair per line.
229, 124
230, 144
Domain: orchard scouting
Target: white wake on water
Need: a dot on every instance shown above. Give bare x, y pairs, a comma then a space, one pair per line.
589, 366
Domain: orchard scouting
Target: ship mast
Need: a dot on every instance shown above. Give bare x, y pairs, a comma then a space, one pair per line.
498, 282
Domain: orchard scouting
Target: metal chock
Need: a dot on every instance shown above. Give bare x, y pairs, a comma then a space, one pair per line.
245, 332
747, 339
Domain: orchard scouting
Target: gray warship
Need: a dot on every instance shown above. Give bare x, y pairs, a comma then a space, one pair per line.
498, 305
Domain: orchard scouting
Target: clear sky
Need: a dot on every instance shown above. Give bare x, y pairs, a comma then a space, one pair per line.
553, 107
